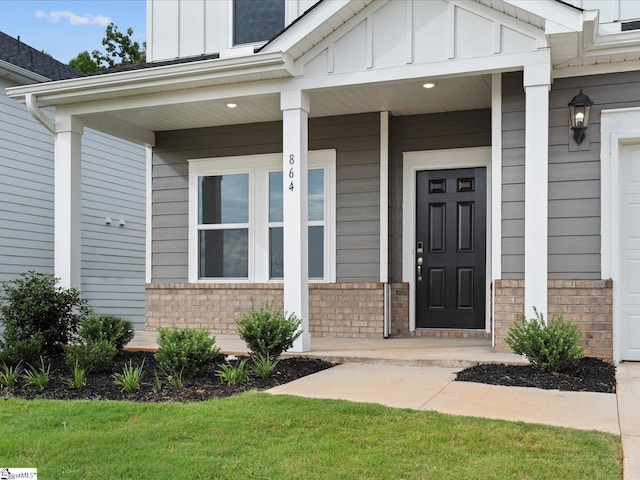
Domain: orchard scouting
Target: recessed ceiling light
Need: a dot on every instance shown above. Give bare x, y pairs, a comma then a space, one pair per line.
428, 85
232, 105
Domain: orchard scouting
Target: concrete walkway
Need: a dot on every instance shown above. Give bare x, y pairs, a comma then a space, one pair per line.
419, 373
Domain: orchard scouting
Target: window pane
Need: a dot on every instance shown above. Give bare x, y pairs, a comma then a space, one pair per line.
316, 252
275, 196
276, 253
316, 194
224, 253
223, 199
257, 20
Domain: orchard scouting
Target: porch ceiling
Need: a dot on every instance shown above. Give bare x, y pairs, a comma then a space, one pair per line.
410, 98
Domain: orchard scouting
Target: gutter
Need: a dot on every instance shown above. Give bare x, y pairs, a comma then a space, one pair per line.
39, 115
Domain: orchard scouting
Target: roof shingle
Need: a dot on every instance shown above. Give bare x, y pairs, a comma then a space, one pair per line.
13, 51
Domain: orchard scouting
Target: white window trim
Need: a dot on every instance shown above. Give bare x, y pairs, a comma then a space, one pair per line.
439, 160
258, 167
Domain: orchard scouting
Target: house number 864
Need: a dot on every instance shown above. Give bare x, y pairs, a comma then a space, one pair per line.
291, 174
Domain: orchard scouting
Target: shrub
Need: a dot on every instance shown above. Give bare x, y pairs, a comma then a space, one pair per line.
35, 310
37, 378
78, 377
117, 331
130, 377
185, 350
263, 367
268, 332
549, 348
234, 374
9, 375
95, 356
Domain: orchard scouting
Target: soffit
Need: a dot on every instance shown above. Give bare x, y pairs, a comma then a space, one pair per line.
408, 98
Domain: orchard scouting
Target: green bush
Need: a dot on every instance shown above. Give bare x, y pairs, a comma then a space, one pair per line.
234, 374
185, 350
94, 356
117, 331
549, 348
268, 332
38, 316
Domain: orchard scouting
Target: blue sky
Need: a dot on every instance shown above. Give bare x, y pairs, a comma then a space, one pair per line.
64, 28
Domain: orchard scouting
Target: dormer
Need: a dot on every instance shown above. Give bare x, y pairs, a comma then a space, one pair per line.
186, 28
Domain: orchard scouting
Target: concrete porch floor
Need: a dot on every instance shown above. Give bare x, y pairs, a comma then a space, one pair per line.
417, 351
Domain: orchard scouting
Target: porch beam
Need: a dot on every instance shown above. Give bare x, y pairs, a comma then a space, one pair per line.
67, 200
295, 113
536, 86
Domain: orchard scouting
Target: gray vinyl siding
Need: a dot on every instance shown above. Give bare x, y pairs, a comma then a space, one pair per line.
26, 191
356, 141
113, 184
513, 136
574, 174
113, 256
427, 132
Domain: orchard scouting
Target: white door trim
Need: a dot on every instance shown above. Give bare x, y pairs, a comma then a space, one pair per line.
438, 160
617, 128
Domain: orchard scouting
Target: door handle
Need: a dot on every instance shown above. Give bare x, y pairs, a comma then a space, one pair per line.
419, 269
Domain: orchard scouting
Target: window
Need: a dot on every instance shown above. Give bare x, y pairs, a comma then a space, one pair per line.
257, 20
316, 224
236, 218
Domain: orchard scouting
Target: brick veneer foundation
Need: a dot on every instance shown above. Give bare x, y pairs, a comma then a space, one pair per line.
353, 310
587, 302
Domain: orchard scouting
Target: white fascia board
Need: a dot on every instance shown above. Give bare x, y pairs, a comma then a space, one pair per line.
305, 25
614, 43
562, 15
598, 69
19, 74
169, 77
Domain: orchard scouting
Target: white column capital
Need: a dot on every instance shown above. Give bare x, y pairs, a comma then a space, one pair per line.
537, 74
69, 123
295, 100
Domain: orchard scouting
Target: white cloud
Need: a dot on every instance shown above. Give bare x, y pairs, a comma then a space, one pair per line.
73, 18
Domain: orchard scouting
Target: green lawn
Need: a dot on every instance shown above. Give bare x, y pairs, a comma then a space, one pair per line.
262, 436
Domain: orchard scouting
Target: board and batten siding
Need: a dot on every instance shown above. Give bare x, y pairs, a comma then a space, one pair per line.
113, 185
574, 174
356, 141
471, 128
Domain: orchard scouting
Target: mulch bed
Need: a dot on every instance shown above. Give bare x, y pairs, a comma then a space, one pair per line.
101, 386
588, 374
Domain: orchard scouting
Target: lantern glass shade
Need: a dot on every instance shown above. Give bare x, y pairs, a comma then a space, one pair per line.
580, 108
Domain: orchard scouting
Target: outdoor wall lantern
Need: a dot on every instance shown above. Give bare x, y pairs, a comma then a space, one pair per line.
580, 107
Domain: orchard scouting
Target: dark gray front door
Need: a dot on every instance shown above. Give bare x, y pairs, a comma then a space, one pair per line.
450, 269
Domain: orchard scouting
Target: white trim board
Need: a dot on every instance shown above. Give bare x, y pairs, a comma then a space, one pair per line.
440, 160
617, 128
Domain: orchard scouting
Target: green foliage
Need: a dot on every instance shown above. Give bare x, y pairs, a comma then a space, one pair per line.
38, 316
175, 378
130, 377
117, 331
263, 367
78, 377
268, 332
157, 383
84, 63
549, 348
94, 356
9, 375
185, 350
234, 374
37, 378
119, 50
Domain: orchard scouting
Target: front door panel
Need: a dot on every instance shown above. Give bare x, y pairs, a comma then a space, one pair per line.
450, 274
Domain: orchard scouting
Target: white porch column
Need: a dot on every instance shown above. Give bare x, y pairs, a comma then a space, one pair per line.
536, 86
295, 112
67, 210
